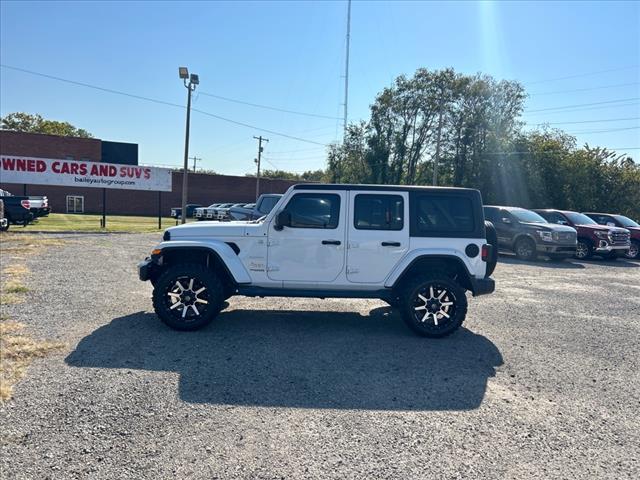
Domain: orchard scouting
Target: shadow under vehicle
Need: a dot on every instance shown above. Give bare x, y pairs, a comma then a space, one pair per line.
301, 359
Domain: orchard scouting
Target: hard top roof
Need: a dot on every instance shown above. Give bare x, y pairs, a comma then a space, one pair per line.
393, 188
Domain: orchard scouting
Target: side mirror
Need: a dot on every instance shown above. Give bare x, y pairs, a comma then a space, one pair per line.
283, 219
506, 220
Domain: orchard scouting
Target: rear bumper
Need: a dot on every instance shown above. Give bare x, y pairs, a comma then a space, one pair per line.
482, 286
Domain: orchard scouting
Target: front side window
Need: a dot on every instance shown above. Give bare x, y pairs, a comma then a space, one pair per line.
378, 212
314, 210
444, 214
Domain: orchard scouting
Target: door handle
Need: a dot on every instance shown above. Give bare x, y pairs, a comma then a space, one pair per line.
331, 242
391, 244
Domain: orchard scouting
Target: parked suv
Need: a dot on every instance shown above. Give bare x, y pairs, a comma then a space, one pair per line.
418, 248
253, 211
593, 239
621, 221
528, 234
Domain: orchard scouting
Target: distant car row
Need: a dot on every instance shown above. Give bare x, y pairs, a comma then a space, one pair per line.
560, 234
21, 210
224, 212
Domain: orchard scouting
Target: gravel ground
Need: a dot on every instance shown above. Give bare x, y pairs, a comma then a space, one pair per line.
541, 383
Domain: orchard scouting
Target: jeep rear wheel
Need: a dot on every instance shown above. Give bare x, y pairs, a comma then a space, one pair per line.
525, 249
188, 297
434, 305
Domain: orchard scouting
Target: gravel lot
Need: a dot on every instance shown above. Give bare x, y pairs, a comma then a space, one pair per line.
542, 382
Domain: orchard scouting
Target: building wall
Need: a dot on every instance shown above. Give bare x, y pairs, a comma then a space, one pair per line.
203, 188
50, 146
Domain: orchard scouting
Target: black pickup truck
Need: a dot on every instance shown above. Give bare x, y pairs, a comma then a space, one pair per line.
16, 209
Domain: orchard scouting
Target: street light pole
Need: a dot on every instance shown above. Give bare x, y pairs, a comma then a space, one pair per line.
190, 86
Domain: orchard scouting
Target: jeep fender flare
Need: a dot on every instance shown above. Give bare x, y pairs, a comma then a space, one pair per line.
224, 253
433, 253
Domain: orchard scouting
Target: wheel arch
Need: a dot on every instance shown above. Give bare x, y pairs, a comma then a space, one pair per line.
220, 257
453, 265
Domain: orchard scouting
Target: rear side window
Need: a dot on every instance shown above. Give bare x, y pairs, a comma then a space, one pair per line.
378, 212
314, 210
441, 215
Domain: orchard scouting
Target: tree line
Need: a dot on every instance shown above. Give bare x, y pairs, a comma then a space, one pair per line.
469, 128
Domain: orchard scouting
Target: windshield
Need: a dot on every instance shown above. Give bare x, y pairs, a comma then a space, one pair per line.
626, 221
527, 216
580, 219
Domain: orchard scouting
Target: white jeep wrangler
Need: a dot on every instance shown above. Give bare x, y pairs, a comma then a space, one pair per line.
417, 248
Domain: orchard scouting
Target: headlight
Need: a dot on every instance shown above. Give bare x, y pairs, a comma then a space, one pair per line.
545, 236
602, 234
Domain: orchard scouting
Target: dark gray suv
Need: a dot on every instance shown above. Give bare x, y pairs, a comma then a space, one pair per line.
528, 234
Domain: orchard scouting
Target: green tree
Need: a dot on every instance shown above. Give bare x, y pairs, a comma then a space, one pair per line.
24, 122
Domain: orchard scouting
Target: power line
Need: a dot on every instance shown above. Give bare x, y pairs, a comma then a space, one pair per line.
585, 89
162, 102
584, 104
267, 107
603, 131
587, 74
584, 109
590, 121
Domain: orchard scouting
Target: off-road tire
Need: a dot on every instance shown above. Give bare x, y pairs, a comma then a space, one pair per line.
584, 249
525, 249
166, 288
420, 287
6, 227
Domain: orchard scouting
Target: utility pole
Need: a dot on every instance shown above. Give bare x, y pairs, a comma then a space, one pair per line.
195, 159
346, 70
436, 159
257, 160
190, 86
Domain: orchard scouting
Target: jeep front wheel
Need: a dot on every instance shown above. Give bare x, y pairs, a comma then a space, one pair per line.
434, 305
188, 297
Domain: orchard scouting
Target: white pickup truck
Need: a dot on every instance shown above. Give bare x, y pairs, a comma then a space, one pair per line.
418, 248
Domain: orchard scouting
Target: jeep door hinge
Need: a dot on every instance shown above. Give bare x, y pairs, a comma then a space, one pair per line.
352, 270
272, 268
271, 243
353, 245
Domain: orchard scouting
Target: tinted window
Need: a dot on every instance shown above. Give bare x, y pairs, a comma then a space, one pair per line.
491, 214
267, 204
440, 213
580, 219
527, 216
378, 212
554, 217
626, 221
314, 210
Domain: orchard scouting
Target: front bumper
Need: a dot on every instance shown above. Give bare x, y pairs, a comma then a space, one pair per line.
604, 247
556, 250
482, 286
145, 269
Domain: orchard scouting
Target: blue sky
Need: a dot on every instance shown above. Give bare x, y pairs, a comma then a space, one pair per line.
291, 55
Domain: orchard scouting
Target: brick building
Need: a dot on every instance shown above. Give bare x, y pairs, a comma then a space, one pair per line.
203, 188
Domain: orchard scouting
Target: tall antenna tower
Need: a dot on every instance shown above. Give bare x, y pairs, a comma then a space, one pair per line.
346, 70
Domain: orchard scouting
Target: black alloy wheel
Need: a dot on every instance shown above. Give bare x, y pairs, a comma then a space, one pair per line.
188, 297
434, 305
